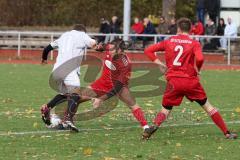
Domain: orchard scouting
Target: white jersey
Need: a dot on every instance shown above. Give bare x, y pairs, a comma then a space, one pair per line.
71, 44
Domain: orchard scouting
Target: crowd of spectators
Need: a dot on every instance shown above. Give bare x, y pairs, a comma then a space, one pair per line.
207, 23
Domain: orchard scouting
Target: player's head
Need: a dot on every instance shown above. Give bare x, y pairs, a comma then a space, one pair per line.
79, 27
184, 25
117, 46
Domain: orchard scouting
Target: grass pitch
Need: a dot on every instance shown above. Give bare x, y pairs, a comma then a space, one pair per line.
188, 133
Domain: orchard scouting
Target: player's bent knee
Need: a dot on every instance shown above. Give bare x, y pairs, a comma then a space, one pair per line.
201, 102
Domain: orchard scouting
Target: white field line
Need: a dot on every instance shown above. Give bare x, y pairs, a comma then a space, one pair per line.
101, 129
38, 112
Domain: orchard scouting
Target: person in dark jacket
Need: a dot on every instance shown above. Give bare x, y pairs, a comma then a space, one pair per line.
104, 28
172, 28
220, 31
115, 25
210, 29
221, 27
200, 10
148, 29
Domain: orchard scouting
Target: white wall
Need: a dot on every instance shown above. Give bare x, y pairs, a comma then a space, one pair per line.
230, 3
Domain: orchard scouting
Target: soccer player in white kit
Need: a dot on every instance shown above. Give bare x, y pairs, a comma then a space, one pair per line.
71, 48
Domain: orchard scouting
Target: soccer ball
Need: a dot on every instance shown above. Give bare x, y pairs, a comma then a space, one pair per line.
55, 121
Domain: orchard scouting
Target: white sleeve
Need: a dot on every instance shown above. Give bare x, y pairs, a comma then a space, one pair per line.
89, 41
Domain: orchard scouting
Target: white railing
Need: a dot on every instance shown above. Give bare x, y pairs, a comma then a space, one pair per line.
51, 35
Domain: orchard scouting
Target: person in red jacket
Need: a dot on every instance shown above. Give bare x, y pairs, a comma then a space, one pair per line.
138, 26
184, 60
197, 28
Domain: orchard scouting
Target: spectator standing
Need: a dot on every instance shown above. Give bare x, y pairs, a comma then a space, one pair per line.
212, 8
172, 28
162, 28
148, 29
230, 30
200, 10
104, 28
115, 27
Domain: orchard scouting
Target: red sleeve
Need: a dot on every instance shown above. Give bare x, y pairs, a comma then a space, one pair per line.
199, 55
150, 51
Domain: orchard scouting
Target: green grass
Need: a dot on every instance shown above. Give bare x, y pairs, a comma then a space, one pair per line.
24, 88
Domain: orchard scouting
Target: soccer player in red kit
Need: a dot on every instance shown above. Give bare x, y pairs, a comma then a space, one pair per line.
113, 81
184, 60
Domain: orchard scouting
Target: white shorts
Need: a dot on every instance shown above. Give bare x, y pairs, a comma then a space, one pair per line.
72, 79
65, 84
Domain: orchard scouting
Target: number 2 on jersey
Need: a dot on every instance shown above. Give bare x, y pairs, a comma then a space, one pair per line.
178, 49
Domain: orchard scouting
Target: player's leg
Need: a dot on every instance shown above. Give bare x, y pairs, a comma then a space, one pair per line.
71, 88
159, 119
216, 118
45, 109
197, 93
172, 97
126, 97
75, 100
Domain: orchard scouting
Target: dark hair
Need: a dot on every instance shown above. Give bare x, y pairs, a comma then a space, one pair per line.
184, 24
221, 19
79, 27
162, 17
119, 44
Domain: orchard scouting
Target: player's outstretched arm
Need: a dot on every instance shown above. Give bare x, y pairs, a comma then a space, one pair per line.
150, 52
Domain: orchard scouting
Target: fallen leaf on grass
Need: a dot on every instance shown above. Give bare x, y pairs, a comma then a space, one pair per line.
109, 158
35, 125
149, 104
87, 151
198, 157
175, 158
219, 148
237, 110
178, 144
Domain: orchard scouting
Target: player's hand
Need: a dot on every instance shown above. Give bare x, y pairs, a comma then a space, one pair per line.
43, 62
163, 69
96, 102
199, 73
99, 47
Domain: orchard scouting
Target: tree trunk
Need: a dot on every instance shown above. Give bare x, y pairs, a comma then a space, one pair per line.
168, 9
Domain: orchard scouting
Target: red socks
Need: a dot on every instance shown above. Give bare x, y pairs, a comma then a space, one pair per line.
139, 115
160, 118
217, 119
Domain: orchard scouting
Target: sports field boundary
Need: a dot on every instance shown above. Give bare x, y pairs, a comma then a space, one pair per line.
102, 129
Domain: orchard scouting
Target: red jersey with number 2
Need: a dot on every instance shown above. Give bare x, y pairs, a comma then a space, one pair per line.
180, 54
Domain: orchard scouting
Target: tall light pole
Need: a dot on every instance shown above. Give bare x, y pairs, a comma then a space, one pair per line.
126, 18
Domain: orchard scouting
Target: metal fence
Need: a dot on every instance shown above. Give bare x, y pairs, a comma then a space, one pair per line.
41, 39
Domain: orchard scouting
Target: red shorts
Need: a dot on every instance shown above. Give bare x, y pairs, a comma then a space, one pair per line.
178, 87
100, 88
